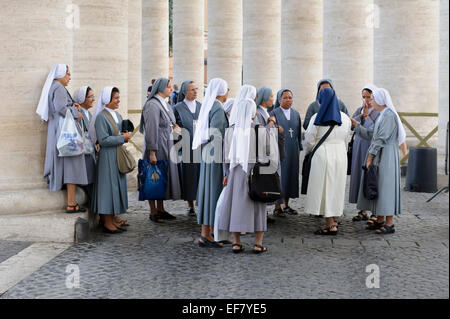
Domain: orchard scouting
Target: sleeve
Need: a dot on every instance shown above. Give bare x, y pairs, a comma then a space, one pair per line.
103, 136
300, 146
384, 132
60, 102
309, 114
219, 121
179, 122
365, 133
310, 137
226, 151
151, 113
343, 107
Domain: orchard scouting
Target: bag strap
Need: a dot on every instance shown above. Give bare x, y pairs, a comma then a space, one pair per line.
256, 134
112, 121
322, 140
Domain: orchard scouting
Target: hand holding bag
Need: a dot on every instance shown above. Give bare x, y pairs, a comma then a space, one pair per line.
370, 182
70, 141
125, 161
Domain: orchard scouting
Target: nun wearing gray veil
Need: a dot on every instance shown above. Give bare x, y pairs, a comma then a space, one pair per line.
186, 114
158, 123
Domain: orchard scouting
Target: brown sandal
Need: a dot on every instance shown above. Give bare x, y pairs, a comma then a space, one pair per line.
279, 212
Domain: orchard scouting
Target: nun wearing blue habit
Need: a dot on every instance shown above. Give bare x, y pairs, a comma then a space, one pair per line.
328, 175
289, 119
313, 108
209, 133
360, 147
67, 171
158, 124
186, 114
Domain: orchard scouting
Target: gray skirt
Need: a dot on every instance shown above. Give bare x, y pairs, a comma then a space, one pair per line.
238, 213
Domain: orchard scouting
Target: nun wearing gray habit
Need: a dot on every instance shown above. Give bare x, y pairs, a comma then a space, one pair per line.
55, 100
313, 108
186, 115
157, 122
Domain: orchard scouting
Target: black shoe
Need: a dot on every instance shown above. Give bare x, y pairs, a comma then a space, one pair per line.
191, 212
109, 231
270, 220
165, 215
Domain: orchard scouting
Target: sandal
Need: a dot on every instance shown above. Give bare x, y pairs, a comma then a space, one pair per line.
224, 242
375, 226
122, 222
385, 229
204, 242
261, 249
290, 211
76, 209
156, 218
279, 212
372, 219
327, 231
237, 251
361, 216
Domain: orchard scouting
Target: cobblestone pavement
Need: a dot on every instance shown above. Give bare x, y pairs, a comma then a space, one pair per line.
164, 261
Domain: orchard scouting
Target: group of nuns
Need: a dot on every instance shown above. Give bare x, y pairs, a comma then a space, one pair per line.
210, 150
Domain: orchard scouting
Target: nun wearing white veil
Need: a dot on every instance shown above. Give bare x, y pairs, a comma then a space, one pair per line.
238, 213
110, 191
211, 125
387, 135
68, 171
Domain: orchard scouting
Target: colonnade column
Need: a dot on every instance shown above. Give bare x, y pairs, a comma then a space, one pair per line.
443, 76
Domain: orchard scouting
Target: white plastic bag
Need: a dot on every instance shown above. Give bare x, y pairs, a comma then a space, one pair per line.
88, 146
219, 235
70, 141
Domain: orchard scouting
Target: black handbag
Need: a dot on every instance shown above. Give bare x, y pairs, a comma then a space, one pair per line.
265, 188
350, 155
370, 182
306, 168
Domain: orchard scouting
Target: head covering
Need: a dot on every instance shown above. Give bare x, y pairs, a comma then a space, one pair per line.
382, 97
228, 105
216, 87
80, 95
329, 113
246, 92
263, 95
183, 90
58, 71
279, 95
240, 143
370, 87
329, 81
105, 98
159, 86
149, 89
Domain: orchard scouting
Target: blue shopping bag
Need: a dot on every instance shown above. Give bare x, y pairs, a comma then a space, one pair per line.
152, 179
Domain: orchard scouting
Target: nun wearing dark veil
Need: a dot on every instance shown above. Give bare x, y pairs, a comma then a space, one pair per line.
158, 123
186, 113
313, 108
328, 175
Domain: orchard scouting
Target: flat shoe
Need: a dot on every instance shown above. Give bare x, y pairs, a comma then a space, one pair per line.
166, 215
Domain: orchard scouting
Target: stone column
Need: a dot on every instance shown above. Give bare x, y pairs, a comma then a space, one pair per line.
188, 55
155, 42
135, 54
225, 42
38, 37
406, 53
101, 48
262, 43
443, 76
301, 49
348, 47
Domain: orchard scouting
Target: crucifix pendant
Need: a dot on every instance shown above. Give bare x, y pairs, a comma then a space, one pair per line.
291, 131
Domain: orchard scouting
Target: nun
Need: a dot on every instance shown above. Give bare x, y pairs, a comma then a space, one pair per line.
186, 114
67, 171
289, 119
158, 124
84, 96
313, 108
328, 175
239, 213
209, 133
366, 116
387, 135
110, 190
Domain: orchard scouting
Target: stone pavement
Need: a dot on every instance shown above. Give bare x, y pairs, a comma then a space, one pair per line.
164, 261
